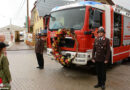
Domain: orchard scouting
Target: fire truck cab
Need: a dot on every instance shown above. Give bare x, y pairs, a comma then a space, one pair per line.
84, 18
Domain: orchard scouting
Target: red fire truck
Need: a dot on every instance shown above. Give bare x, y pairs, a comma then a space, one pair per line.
84, 18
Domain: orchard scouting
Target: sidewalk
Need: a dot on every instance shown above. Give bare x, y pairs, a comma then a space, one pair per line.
19, 46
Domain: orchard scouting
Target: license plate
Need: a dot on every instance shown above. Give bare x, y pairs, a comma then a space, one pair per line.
77, 60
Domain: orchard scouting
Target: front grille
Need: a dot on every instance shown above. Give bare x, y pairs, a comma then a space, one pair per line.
67, 42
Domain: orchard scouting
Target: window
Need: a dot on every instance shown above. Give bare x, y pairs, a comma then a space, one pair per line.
37, 18
40, 28
117, 30
95, 18
69, 18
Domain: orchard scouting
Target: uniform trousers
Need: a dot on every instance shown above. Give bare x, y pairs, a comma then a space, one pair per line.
101, 72
40, 59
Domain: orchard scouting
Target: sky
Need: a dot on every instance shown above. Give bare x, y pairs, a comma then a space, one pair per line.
11, 10
14, 11
124, 3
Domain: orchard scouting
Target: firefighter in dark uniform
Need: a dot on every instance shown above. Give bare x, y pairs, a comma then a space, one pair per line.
101, 56
39, 48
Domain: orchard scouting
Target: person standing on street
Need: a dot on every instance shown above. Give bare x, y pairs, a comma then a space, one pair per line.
101, 56
2, 39
39, 48
5, 75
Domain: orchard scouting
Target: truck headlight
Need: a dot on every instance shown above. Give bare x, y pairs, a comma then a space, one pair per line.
81, 56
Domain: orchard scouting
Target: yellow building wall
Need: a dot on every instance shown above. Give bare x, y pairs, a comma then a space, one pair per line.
38, 23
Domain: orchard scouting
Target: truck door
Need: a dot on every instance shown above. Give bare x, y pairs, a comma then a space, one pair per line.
96, 20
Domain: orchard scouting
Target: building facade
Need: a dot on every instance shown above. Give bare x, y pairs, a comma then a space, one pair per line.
36, 20
11, 33
36, 26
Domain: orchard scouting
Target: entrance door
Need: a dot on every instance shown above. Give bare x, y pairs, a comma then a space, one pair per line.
17, 36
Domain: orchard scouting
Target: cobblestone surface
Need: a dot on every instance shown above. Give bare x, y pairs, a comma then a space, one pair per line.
19, 46
26, 76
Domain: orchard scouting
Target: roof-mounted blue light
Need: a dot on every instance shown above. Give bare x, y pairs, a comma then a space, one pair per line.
90, 3
55, 8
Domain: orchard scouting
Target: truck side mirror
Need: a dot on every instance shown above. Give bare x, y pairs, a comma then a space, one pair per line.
97, 18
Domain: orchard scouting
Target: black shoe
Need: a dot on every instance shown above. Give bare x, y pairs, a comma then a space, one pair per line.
103, 87
38, 67
97, 86
41, 68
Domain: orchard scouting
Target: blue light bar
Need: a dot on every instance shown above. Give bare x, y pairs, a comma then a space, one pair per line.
55, 8
90, 3
80, 4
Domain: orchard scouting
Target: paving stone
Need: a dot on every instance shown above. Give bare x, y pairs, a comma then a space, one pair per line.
25, 75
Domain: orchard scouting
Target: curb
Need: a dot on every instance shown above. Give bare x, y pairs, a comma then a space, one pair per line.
20, 50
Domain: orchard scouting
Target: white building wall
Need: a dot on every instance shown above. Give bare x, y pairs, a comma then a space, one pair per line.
7, 36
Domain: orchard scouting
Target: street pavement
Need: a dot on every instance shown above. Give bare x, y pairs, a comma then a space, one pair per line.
19, 46
25, 75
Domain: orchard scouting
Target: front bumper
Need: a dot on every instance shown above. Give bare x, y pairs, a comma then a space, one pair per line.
81, 59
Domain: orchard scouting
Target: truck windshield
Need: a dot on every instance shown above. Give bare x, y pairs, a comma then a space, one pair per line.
69, 18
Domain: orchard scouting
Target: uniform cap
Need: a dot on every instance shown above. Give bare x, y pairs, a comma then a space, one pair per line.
39, 34
3, 45
100, 29
42, 34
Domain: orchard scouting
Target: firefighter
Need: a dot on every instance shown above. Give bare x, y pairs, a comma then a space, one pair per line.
100, 56
4, 68
39, 48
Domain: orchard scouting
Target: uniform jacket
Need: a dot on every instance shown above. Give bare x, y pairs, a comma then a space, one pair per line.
39, 46
101, 50
4, 69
